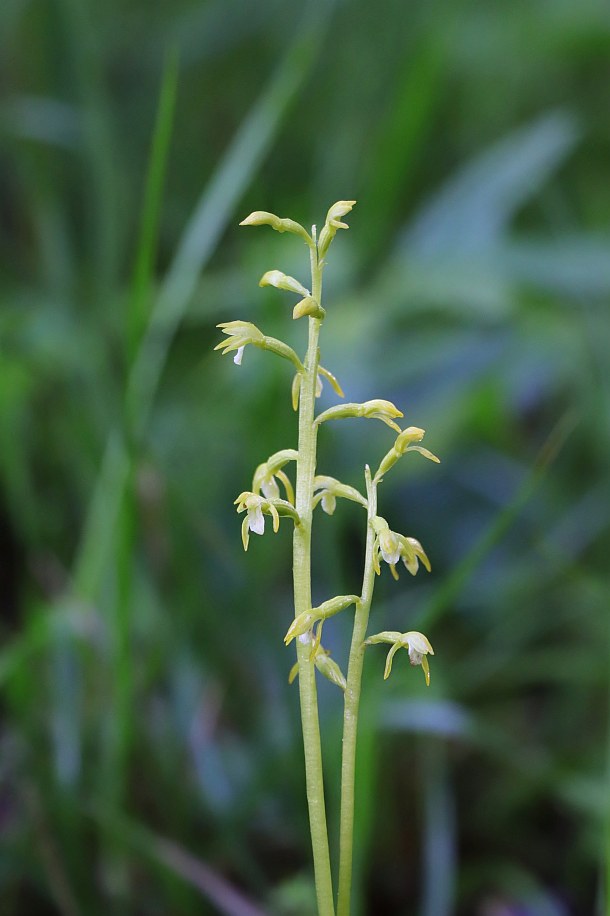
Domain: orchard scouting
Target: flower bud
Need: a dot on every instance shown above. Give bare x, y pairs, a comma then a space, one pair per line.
263, 218
333, 222
296, 391
377, 409
282, 281
302, 623
407, 437
308, 306
402, 445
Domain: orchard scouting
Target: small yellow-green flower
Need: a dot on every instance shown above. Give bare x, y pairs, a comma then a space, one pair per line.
404, 443
392, 547
254, 520
240, 333
256, 507
333, 222
417, 645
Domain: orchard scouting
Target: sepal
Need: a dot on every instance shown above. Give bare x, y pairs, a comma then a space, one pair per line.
334, 382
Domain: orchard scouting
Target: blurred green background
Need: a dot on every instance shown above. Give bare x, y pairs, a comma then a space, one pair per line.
150, 758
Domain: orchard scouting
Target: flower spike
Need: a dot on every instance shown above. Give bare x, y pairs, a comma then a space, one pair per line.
272, 481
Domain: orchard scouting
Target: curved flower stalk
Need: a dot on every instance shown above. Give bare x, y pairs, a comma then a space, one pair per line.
310, 490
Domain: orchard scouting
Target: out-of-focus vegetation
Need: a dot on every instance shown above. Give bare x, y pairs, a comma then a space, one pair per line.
150, 757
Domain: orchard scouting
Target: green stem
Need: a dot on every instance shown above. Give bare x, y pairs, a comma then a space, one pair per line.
350, 718
306, 464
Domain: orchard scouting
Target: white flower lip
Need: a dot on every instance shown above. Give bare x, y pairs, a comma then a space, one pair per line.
391, 557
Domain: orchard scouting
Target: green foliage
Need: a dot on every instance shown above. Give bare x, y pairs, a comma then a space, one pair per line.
144, 682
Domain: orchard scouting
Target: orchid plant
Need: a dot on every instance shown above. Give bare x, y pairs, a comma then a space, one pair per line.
273, 495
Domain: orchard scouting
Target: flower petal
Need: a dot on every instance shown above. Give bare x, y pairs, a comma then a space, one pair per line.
256, 520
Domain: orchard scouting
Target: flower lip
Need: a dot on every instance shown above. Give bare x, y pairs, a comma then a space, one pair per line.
389, 547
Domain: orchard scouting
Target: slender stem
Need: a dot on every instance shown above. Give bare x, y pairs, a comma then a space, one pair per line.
306, 464
350, 719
